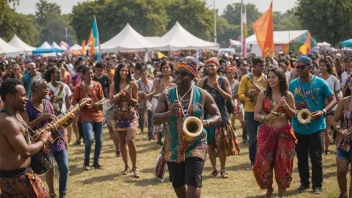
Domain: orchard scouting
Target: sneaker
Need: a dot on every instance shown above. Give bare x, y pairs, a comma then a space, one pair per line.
302, 188
86, 167
97, 166
224, 174
317, 190
135, 172
126, 171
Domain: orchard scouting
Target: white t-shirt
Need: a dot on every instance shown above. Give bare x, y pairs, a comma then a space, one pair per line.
54, 91
334, 85
344, 78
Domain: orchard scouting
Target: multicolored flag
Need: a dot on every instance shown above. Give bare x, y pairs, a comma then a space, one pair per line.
264, 31
306, 47
96, 41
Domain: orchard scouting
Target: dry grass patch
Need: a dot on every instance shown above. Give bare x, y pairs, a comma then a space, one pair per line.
109, 183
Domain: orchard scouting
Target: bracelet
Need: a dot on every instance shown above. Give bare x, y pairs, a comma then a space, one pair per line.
263, 118
205, 123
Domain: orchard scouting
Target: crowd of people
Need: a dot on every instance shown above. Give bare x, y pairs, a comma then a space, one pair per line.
268, 96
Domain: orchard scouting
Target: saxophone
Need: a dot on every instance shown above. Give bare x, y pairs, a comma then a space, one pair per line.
58, 122
40, 162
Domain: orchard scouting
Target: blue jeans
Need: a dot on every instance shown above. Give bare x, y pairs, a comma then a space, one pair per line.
88, 129
252, 128
61, 159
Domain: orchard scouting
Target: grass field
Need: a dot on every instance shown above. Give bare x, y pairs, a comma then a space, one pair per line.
109, 183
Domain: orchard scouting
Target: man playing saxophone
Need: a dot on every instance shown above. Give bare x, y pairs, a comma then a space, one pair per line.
15, 146
185, 165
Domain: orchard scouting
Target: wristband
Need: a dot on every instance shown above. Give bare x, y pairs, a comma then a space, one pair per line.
205, 123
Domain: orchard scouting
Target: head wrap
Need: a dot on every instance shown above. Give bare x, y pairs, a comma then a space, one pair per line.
190, 64
231, 68
305, 59
213, 60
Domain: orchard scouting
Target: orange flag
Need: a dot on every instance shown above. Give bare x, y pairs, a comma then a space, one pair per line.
91, 50
306, 47
264, 31
90, 38
83, 50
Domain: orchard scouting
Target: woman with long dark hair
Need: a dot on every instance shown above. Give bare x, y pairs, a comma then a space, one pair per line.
334, 84
343, 140
276, 138
123, 94
159, 85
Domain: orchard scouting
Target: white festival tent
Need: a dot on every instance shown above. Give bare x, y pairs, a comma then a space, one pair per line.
24, 47
281, 38
126, 40
152, 39
324, 44
56, 46
45, 45
8, 50
177, 38
76, 47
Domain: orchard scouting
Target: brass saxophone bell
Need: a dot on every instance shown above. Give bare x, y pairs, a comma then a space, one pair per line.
304, 116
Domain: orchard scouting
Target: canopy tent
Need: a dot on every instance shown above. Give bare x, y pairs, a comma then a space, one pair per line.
8, 50
46, 49
76, 47
324, 44
152, 39
283, 41
18, 43
234, 43
177, 38
55, 45
347, 43
126, 40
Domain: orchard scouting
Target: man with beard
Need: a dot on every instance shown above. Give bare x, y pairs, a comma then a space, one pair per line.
16, 176
185, 161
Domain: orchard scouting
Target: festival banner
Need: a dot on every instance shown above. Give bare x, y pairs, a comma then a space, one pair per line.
264, 31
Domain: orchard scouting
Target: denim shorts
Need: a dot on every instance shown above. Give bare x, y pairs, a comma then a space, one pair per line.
343, 155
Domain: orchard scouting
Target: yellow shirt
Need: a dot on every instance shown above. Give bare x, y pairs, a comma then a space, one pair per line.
245, 86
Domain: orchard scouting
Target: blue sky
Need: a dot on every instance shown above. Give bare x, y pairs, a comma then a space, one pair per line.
28, 6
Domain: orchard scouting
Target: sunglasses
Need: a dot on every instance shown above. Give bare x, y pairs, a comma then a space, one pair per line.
182, 73
302, 67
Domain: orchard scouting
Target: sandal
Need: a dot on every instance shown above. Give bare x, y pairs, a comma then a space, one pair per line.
126, 171
135, 172
224, 174
214, 173
118, 154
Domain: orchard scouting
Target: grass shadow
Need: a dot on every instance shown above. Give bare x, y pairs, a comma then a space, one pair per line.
102, 178
146, 182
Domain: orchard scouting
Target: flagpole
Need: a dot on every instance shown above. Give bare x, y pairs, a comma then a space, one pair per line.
66, 34
242, 27
215, 39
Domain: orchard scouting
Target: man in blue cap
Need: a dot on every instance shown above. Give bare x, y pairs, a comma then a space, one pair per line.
309, 92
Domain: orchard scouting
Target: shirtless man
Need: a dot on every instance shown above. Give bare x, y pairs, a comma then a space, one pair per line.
16, 177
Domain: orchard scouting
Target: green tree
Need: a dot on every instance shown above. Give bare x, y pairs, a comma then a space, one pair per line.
146, 17
327, 20
52, 24
14, 23
288, 21
194, 16
233, 14
226, 31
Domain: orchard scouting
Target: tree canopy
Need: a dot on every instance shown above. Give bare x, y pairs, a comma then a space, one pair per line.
327, 20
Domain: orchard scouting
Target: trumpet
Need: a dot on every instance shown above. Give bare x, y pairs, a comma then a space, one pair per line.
58, 122
304, 116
